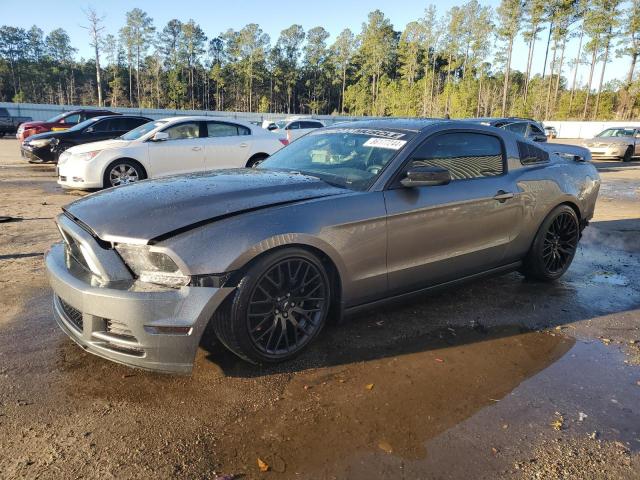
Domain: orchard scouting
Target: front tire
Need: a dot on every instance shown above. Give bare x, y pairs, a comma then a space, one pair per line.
123, 172
628, 154
554, 246
279, 307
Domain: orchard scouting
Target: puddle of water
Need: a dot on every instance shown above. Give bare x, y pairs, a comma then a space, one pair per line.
391, 405
610, 278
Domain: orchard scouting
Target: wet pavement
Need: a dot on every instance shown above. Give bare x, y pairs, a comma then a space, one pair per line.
501, 378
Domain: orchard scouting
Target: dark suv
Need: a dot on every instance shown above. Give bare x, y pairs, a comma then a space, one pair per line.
525, 127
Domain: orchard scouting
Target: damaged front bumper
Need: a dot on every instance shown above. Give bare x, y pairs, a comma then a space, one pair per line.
154, 328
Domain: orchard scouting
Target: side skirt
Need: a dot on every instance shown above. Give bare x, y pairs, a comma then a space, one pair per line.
402, 297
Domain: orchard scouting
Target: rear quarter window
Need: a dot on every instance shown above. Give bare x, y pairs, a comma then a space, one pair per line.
531, 155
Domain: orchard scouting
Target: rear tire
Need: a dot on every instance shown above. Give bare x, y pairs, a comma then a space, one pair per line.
123, 172
628, 154
279, 307
554, 246
256, 160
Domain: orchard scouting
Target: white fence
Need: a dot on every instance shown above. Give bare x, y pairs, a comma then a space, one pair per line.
569, 129
566, 129
44, 111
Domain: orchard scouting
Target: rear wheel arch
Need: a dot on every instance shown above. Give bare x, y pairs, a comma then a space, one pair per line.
256, 158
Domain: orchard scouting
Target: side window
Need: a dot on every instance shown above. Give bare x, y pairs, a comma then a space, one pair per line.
535, 130
530, 154
293, 126
310, 125
126, 124
183, 131
466, 155
103, 126
75, 118
218, 129
519, 128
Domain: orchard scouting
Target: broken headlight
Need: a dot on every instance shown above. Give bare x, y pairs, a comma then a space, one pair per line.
152, 267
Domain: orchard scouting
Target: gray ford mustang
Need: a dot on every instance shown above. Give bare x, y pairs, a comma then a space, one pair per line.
344, 218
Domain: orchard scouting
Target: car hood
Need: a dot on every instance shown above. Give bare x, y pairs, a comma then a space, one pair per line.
45, 135
156, 209
102, 145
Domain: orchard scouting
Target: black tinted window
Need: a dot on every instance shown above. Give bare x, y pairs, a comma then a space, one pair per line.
530, 154
126, 124
535, 130
293, 126
310, 125
102, 126
465, 155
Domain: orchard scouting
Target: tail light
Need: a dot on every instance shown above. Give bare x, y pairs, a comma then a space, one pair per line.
284, 141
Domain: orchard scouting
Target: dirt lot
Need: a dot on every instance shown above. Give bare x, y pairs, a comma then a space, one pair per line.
498, 379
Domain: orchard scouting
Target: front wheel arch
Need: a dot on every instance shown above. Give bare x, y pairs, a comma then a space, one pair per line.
111, 164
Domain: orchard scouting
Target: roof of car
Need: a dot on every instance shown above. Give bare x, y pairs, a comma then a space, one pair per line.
203, 118
492, 120
414, 124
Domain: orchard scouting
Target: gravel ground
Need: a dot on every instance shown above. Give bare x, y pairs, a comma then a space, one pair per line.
501, 378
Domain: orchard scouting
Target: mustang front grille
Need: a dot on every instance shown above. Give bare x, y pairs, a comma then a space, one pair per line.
73, 315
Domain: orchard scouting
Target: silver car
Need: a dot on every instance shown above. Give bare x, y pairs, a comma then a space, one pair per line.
618, 143
344, 218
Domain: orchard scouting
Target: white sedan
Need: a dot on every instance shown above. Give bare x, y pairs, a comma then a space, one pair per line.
166, 147
294, 128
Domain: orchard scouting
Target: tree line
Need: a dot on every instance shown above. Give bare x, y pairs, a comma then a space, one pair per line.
456, 63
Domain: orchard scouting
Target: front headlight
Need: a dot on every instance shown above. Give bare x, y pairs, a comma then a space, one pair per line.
152, 267
86, 155
40, 142
64, 156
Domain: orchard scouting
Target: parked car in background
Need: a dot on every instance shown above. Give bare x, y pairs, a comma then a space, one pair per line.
166, 147
10, 124
60, 122
617, 143
342, 219
47, 147
295, 127
525, 127
550, 131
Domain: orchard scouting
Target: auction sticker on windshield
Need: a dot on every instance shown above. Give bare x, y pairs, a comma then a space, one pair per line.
385, 143
362, 131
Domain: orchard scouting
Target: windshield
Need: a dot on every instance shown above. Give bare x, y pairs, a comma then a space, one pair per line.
346, 157
84, 124
281, 124
617, 132
57, 118
138, 132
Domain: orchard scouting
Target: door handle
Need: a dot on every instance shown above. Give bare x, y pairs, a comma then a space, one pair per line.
503, 196
243, 145
196, 149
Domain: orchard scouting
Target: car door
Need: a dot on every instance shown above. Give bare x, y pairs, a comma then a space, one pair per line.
440, 233
636, 139
100, 130
122, 125
228, 145
182, 152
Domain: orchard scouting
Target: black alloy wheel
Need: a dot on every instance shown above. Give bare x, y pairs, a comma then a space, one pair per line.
287, 307
560, 243
280, 305
554, 246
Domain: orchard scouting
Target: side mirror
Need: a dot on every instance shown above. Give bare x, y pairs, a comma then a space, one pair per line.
89, 130
160, 137
417, 176
539, 138
272, 127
